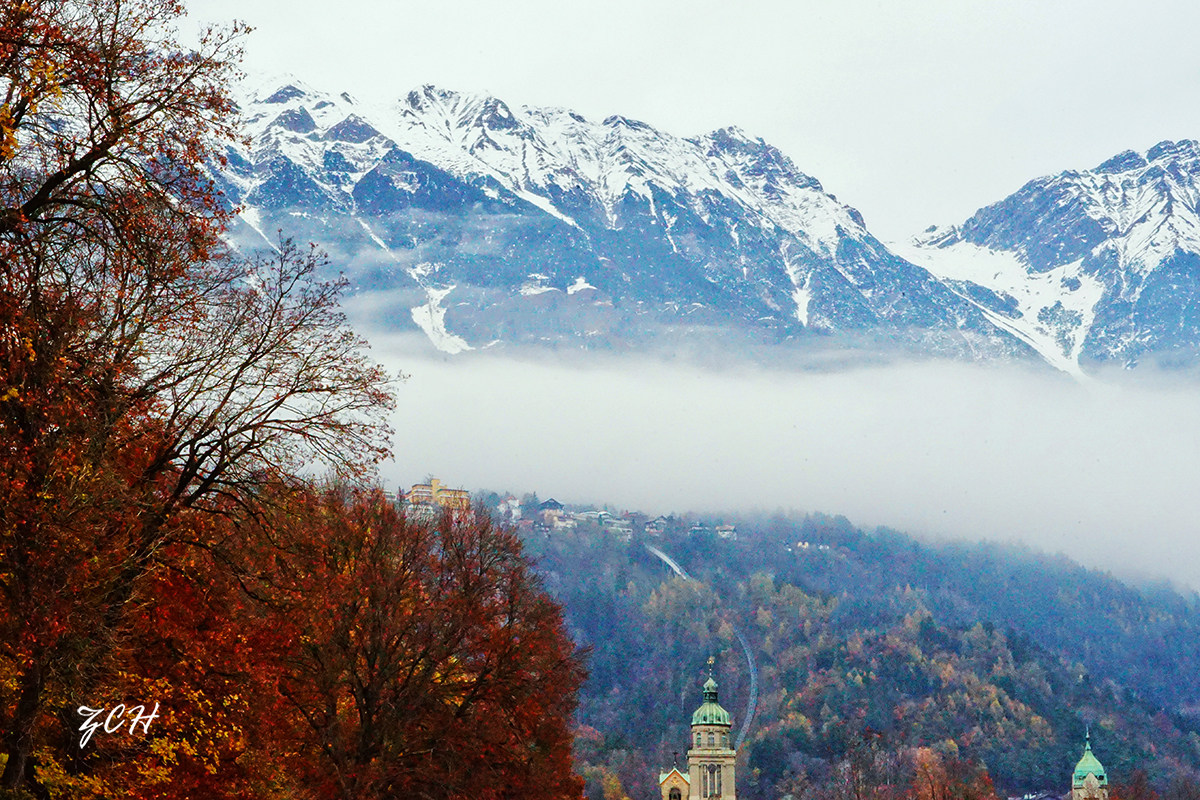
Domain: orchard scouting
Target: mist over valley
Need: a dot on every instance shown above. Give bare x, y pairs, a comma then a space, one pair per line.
1102, 472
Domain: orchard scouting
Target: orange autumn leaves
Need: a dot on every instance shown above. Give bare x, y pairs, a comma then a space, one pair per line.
429, 661
336, 649
158, 396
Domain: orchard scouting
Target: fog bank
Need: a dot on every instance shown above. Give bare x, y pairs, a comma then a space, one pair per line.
1105, 474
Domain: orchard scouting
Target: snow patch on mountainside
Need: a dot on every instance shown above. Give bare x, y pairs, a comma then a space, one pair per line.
374, 237
1051, 311
536, 285
579, 285
431, 318
802, 297
253, 218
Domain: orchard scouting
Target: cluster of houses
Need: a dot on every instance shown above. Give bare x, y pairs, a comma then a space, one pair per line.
551, 516
427, 501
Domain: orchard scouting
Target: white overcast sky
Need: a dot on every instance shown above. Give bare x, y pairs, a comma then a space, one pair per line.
914, 112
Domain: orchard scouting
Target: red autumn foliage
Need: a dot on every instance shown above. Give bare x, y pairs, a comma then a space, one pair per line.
424, 659
936, 777
1138, 787
335, 649
145, 373
157, 397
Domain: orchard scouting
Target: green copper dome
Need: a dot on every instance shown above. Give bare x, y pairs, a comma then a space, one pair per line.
711, 712
1088, 765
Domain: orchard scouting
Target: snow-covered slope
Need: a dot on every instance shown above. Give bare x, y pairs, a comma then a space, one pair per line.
477, 221
480, 224
1051, 311
1088, 266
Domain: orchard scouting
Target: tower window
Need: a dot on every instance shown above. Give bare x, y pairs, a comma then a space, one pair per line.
711, 774
698, 741
712, 739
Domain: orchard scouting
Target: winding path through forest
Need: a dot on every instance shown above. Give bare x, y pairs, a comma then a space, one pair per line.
752, 704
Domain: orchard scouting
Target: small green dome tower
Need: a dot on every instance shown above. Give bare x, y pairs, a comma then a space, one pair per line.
712, 763
710, 712
1090, 780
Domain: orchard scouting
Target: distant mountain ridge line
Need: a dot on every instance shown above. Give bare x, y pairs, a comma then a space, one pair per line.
472, 219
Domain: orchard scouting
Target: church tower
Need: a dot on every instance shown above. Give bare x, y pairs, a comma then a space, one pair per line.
1089, 781
711, 757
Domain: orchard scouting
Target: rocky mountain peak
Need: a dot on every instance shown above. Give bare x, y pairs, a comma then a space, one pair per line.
753, 157
285, 94
1099, 265
449, 203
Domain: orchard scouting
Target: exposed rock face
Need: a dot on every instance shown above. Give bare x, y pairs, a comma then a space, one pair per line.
1104, 264
538, 225
483, 224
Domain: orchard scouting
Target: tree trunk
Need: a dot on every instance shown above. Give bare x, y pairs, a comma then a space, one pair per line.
19, 737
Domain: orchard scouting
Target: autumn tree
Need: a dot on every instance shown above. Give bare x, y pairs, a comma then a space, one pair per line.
185, 651
1138, 787
146, 375
938, 777
424, 658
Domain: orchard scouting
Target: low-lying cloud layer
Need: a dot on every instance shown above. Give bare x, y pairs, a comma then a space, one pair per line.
1106, 474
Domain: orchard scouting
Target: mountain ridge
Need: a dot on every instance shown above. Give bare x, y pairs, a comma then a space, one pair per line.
447, 193
1122, 240
471, 220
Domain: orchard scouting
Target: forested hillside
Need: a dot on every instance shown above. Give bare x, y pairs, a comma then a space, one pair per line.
978, 656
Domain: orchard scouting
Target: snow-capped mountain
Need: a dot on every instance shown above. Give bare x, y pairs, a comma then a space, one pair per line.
482, 223
1088, 266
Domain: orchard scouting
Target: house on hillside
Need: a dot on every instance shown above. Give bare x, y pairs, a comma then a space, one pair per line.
509, 509
550, 512
597, 518
657, 526
621, 527
425, 501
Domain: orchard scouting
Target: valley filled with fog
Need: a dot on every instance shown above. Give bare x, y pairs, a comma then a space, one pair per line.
1104, 472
